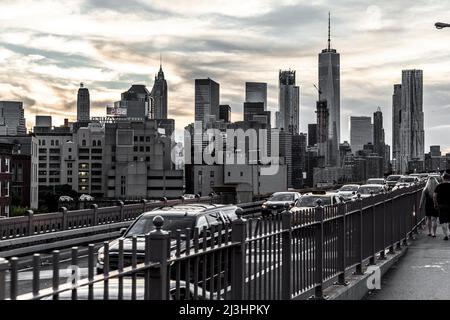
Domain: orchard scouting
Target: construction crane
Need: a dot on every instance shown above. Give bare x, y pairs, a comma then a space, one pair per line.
318, 90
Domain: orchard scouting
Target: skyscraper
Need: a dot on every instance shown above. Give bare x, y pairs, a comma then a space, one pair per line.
256, 92
83, 104
322, 133
12, 119
312, 134
378, 132
329, 90
207, 93
225, 112
136, 101
360, 132
159, 96
411, 123
289, 102
396, 120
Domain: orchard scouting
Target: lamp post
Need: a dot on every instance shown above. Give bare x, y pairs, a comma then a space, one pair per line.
441, 25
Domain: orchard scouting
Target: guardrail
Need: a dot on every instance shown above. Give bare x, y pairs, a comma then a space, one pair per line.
68, 228
292, 255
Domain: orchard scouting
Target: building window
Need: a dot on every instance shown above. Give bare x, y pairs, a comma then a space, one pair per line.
52, 142
69, 180
43, 142
83, 142
211, 174
135, 148
229, 173
147, 149
141, 138
147, 159
141, 149
69, 173
94, 143
200, 173
134, 158
135, 138
242, 174
99, 143
70, 149
57, 142
147, 139
7, 163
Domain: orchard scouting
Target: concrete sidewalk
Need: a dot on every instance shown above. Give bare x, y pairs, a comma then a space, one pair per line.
422, 274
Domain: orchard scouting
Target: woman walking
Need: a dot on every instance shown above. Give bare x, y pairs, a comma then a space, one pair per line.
427, 203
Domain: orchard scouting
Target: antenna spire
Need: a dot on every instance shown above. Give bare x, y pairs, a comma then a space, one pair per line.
329, 31
160, 60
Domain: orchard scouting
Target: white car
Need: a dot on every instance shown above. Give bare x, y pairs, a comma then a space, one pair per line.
189, 196
86, 197
367, 190
65, 198
348, 191
406, 181
311, 200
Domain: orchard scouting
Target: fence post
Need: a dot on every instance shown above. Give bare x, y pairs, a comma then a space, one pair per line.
374, 243
359, 267
342, 244
30, 215
286, 222
238, 235
318, 276
64, 218
4, 266
121, 214
382, 252
94, 207
144, 203
159, 253
391, 247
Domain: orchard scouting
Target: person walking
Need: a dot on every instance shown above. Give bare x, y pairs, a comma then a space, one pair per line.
442, 202
427, 203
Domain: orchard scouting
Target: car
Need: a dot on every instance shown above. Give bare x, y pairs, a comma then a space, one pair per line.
188, 196
406, 181
127, 285
278, 201
391, 180
65, 198
311, 200
176, 217
423, 176
381, 181
86, 197
348, 191
367, 190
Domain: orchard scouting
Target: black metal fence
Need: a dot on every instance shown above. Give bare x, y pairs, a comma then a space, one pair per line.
292, 255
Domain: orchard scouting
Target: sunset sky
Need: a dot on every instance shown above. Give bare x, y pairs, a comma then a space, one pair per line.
48, 47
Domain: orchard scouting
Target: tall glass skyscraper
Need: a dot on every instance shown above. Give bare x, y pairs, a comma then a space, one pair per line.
289, 102
256, 92
207, 94
329, 87
412, 136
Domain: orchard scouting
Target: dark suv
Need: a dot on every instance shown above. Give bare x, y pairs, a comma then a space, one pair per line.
177, 217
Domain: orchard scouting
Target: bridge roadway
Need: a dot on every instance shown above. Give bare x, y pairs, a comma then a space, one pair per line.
262, 270
422, 274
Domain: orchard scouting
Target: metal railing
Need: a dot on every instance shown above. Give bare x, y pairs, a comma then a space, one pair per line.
292, 255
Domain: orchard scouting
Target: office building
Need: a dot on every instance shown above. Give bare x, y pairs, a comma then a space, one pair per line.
135, 103
137, 162
5, 177
312, 134
254, 111
207, 95
12, 119
225, 113
256, 92
412, 135
396, 121
159, 96
360, 132
329, 90
322, 134
289, 102
83, 104
298, 160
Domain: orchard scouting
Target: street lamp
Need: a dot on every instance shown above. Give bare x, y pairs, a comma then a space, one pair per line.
441, 25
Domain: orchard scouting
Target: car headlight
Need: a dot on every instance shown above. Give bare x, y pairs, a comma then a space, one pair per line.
264, 206
100, 255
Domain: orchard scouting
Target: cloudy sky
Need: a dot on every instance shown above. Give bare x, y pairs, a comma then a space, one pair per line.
48, 47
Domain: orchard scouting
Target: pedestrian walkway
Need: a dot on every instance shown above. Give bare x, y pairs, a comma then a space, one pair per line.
422, 274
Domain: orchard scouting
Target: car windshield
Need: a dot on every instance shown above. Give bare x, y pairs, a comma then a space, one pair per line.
349, 188
369, 189
407, 179
282, 197
311, 201
393, 178
171, 223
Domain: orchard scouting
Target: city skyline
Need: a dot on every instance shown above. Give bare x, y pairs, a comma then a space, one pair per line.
374, 48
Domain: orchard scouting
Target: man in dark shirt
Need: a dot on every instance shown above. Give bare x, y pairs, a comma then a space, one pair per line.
442, 202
